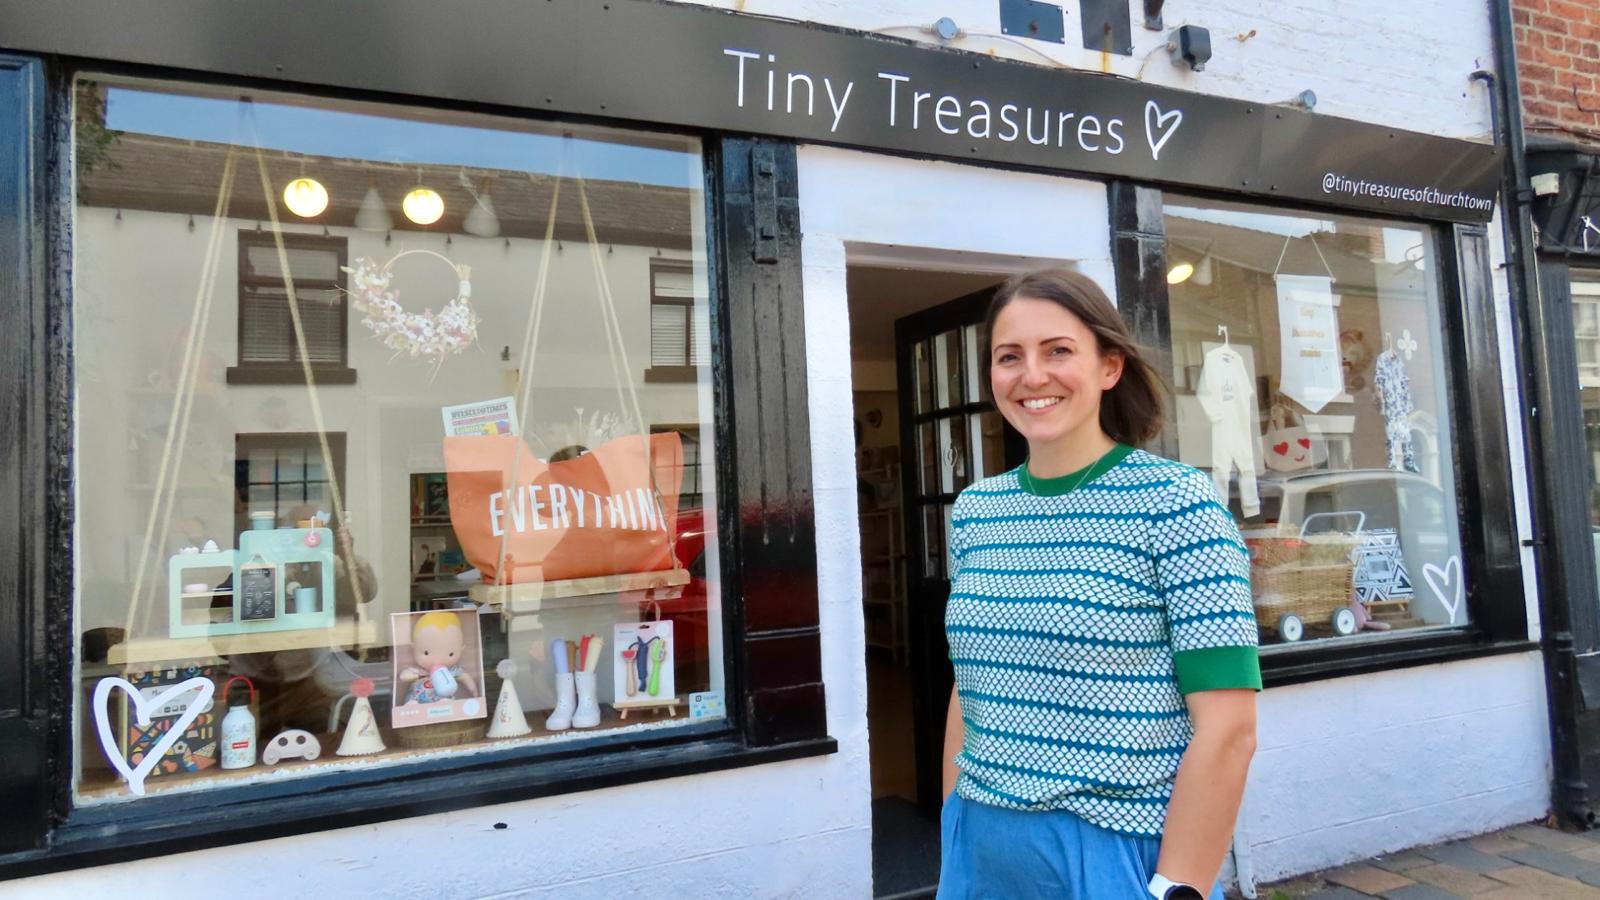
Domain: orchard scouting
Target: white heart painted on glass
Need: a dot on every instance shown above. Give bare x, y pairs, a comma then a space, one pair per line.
142, 708
1443, 580
1155, 120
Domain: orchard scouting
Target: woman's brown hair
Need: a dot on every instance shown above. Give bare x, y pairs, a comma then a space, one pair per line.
1131, 411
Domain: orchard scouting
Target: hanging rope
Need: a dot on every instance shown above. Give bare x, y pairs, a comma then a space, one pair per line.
166, 486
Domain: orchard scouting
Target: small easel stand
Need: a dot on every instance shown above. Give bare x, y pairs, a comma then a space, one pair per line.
669, 704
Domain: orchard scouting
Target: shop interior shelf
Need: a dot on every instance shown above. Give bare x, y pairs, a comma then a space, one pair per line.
344, 633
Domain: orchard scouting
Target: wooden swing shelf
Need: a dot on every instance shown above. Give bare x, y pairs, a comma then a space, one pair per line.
343, 633
530, 596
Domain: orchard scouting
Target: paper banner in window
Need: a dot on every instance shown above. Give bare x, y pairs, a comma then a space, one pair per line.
1308, 324
611, 511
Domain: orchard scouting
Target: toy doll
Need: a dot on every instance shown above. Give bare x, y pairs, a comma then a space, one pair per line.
437, 643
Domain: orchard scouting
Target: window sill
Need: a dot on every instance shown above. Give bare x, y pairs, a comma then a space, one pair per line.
671, 374
156, 826
1335, 659
291, 373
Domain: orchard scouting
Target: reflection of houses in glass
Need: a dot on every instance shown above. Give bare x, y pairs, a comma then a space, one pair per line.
290, 410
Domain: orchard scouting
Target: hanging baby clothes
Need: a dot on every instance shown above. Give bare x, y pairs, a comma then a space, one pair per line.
1229, 399
1394, 401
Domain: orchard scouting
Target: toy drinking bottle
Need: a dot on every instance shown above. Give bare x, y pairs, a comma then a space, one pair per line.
444, 684
239, 727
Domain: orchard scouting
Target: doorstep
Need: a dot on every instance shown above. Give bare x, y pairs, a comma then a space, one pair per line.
1519, 862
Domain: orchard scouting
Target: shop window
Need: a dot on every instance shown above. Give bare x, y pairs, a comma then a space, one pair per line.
678, 336
484, 547
286, 475
1309, 366
268, 350
691, 490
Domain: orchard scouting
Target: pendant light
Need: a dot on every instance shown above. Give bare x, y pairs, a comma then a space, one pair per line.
373, 215
305, 197
1180, 273
423, 206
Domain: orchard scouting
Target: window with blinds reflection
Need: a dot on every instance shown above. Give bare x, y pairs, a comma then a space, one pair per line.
678, 338
266, 331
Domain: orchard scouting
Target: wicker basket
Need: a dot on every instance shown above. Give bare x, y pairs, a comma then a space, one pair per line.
1313, 593
1289, 548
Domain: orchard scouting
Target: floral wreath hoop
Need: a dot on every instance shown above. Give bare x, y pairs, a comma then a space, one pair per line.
427, 334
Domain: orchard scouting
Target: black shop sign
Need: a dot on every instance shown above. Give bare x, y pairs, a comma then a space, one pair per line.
702, 68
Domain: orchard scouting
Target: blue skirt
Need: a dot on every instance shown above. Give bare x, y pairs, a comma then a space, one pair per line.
991, 853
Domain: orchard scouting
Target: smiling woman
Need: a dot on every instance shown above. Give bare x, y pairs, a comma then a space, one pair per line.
1100, 628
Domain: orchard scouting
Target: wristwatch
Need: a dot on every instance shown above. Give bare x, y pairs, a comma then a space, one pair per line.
1164, 888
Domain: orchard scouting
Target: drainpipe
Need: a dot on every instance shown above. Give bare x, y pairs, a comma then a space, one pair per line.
1569, 792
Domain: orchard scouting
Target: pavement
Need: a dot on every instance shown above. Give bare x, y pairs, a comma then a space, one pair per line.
1526, 862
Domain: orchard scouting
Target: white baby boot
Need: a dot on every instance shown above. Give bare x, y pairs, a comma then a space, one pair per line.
588, 713
560, 718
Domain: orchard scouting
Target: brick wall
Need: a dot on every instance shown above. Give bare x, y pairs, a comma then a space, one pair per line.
1558, 62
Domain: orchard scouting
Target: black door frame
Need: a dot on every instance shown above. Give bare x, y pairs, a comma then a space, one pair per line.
929, 653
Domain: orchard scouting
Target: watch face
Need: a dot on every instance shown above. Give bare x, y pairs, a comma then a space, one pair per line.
1184, 892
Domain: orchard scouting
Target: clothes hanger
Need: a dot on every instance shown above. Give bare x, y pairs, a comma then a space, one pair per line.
1388, 342
1223, 330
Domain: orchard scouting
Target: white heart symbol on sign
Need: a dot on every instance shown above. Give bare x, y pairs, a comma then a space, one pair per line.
1155, 120
1446, 579
142, 708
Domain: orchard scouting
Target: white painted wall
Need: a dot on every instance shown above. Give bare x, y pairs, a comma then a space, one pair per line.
1400, 64
1356, 767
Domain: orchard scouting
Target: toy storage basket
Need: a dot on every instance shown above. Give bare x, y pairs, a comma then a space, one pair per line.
1310, 575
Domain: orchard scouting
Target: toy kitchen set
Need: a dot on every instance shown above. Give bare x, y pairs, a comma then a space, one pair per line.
279, 579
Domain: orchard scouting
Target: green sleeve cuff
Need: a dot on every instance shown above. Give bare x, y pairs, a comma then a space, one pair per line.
1217, 669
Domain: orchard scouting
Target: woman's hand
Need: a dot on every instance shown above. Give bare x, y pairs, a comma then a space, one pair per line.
1209, 788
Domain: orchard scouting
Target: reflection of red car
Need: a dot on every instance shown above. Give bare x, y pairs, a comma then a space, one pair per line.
688, 611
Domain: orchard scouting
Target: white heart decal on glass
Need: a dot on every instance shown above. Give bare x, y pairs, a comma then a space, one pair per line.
1155, 120
1446, 584
142, 708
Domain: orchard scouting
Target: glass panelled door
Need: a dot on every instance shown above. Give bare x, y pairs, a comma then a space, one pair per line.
951, 436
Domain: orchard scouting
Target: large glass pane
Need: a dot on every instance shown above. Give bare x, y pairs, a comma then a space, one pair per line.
946, 369
922, 360
928, 453
369, 456
954, 457
1309, 362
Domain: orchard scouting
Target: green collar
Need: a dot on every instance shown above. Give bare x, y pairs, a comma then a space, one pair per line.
1066, 484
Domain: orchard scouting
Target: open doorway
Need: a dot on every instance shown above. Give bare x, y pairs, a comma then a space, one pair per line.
924, 430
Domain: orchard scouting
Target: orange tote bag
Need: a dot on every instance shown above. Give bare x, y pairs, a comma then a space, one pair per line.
611, 511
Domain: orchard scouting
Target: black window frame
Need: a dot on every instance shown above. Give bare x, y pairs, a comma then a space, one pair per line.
292, 371
772, 666
1481, 457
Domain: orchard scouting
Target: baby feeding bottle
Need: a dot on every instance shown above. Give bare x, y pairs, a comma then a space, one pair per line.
444, 684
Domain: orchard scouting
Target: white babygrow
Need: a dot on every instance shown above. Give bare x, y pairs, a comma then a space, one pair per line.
1229, 399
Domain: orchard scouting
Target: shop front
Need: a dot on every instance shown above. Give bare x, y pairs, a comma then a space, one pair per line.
528, 468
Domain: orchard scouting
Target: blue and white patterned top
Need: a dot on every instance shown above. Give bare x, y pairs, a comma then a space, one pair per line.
1079, 619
